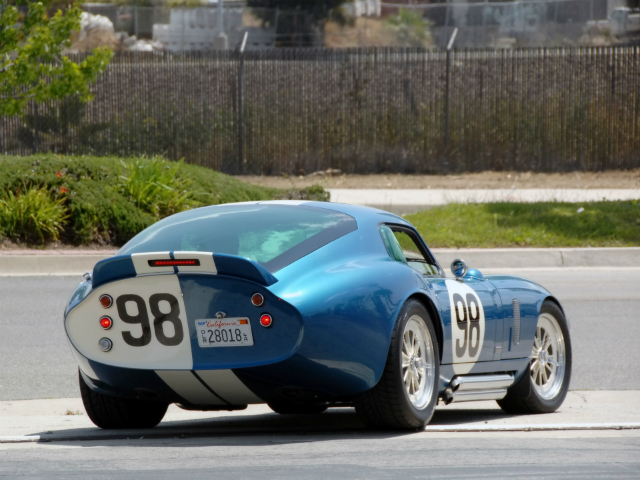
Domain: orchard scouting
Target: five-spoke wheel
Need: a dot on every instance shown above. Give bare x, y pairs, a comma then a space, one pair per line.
418, 362
547, 367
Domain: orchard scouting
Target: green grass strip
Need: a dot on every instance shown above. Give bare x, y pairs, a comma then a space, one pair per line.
491, 225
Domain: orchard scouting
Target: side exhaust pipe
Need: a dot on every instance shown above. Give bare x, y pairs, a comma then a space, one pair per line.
472, 388
447, 396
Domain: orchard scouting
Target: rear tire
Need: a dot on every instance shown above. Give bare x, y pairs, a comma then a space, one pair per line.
117, 413
297, 408
406, 395
546, 381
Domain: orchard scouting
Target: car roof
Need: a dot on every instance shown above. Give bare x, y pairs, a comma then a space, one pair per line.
361, 213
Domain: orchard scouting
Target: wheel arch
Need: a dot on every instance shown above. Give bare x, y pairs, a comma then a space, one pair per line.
433, 312
555, 301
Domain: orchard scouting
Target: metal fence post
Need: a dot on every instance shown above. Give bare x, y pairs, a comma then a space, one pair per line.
241, 106
447, 95
240, 114
36, 125
447, 134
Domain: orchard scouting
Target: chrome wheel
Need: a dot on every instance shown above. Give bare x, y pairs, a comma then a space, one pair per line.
418, 362
548, 364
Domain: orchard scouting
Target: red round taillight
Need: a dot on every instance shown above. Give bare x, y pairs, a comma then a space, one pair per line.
266, 320
106, 301
106, 322
257, 299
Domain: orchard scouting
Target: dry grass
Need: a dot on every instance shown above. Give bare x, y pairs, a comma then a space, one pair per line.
607, 179
99, 38
365, 32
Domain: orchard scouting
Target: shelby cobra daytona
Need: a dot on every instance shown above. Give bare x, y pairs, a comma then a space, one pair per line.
304, 306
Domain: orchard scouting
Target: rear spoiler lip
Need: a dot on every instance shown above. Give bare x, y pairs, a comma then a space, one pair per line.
122, 266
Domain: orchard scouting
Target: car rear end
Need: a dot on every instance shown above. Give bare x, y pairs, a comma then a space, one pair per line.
188, 318
162, 322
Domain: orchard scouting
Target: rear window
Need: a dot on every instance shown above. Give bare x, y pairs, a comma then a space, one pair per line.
273, 235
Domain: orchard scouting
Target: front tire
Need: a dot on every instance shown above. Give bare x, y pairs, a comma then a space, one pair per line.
117, 413
546, 382
406, 395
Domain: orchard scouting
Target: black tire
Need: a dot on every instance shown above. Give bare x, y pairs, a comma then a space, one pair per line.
297, 408
387, 405
117, 413
523, 397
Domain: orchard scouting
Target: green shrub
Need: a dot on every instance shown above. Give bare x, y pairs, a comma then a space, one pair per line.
153, 186
30, 214
314, 193
110, 199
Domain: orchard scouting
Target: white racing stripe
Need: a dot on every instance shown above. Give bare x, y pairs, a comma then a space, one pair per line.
141, 263
185, 384
228, 386
207, 264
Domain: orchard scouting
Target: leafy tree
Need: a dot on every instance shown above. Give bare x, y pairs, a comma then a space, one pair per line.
32, 63
155, 3
298, 21
411, 29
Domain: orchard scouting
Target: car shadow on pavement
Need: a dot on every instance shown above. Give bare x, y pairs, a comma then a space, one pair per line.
249, 429
455, 416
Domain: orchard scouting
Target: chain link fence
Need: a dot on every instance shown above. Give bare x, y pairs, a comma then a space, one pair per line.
361, 111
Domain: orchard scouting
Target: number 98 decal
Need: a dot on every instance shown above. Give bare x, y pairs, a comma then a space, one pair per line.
467, 322
161, 320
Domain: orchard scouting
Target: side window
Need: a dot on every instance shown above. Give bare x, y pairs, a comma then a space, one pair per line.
392, 244
402, 248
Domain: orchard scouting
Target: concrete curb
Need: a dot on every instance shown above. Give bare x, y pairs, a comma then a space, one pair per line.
47, 264
496, 258
190, 433
44, 265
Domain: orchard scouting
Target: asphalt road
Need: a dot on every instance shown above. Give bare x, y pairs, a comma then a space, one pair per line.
334, 455
602, 306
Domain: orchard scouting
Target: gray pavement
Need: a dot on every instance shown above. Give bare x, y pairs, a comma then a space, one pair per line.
34, 354
256, 443
335, 455
65, 420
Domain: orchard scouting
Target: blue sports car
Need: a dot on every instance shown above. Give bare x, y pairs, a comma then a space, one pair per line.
304, 306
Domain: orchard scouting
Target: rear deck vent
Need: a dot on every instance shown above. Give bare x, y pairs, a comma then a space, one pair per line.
516, 322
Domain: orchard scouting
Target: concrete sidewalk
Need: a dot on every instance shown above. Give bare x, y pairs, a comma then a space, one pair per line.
52, 262
66, 420
405, 201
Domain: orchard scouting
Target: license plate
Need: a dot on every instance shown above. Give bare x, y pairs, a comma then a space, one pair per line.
224, 332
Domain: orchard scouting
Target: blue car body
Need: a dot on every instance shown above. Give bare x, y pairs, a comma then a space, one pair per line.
333, 309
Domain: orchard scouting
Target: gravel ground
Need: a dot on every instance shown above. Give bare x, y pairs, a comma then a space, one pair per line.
610, 179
